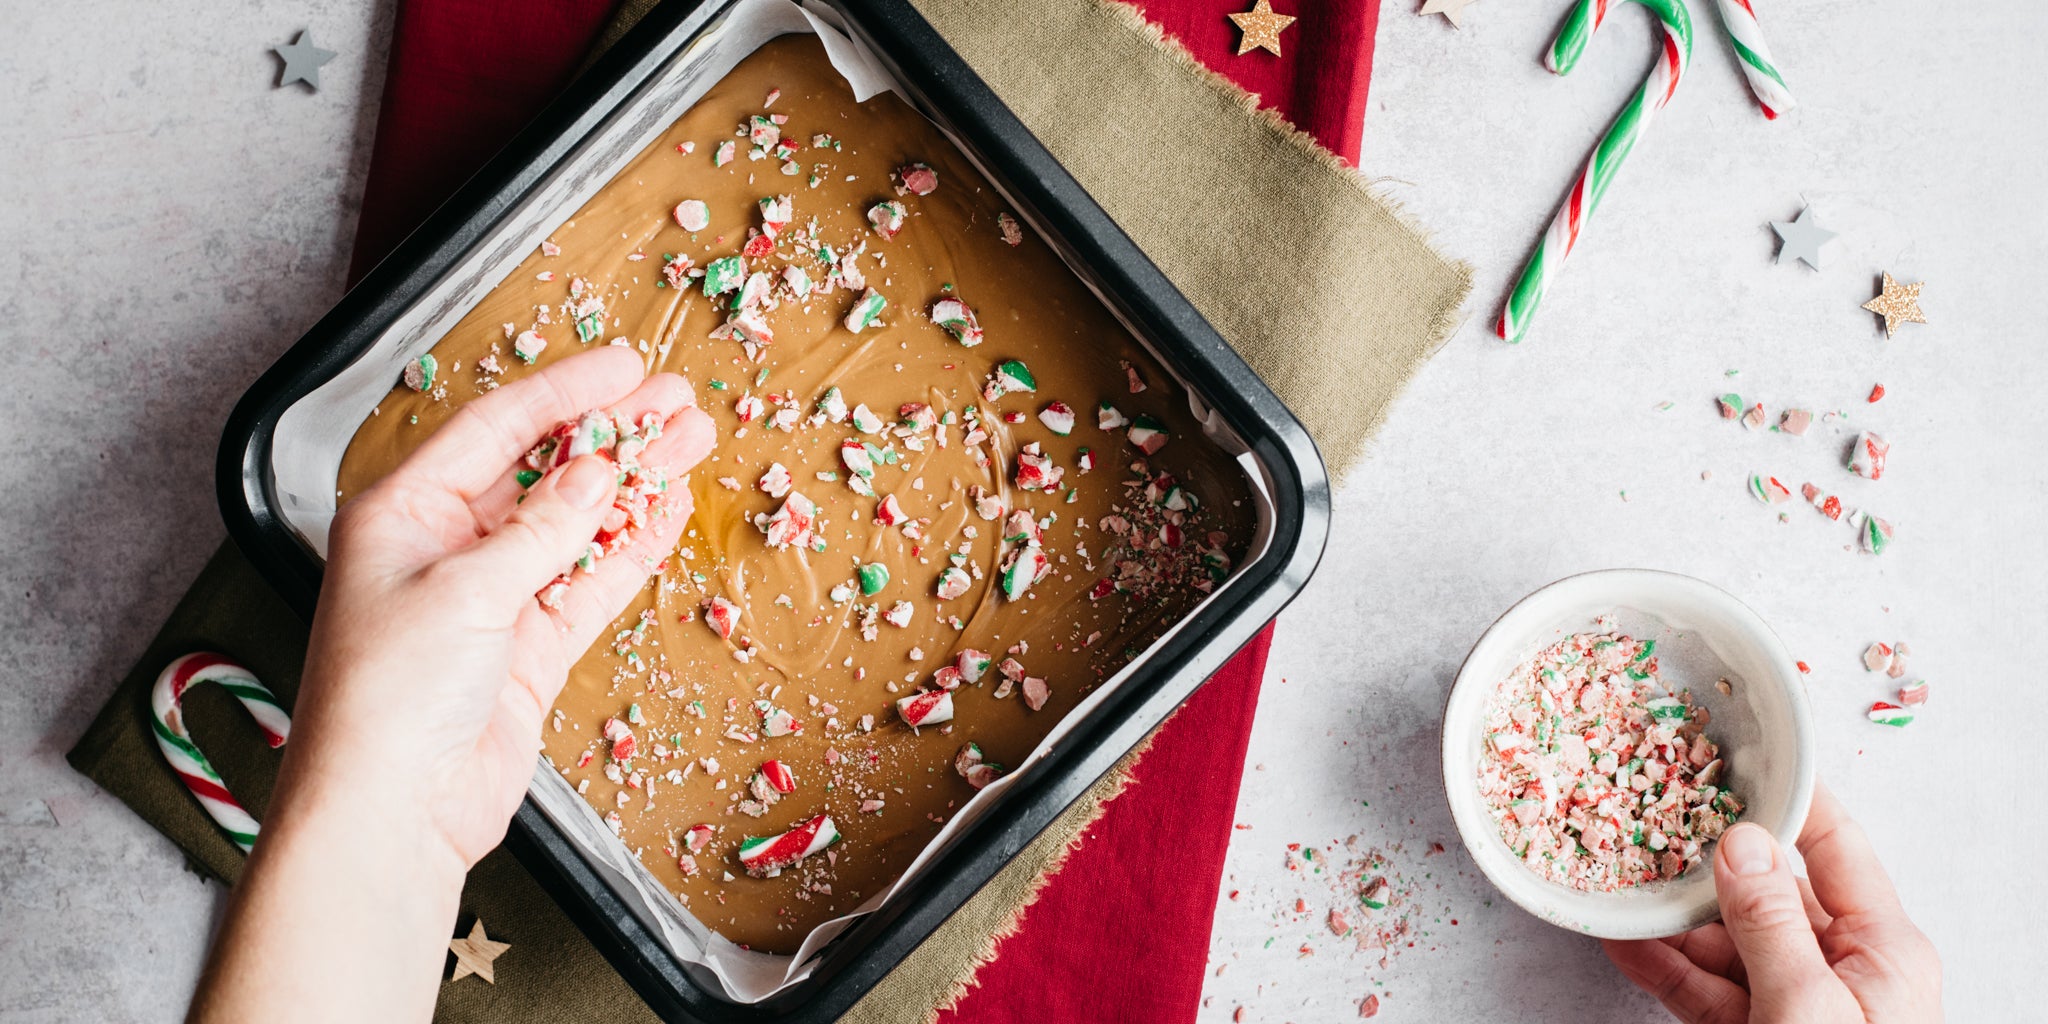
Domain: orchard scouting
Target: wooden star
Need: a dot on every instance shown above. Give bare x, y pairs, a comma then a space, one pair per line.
1452, 10
474, 954
1898, 304
1261, 27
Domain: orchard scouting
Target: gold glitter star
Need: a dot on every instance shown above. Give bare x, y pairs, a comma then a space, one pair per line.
1452, 10
1261, 27
1898, 304
474, 954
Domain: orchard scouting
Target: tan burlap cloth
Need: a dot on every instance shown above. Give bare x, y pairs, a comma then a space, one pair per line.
1329, 294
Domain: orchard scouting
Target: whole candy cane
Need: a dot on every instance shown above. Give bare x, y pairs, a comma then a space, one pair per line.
1674, 51
167, 716
1739, 18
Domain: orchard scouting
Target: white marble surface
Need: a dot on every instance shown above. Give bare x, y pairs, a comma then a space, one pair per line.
170, 223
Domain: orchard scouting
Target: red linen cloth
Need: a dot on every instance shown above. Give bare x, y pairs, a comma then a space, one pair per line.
466, 74
1121, 933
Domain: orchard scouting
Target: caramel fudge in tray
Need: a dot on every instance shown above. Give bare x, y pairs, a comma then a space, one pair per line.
952, 494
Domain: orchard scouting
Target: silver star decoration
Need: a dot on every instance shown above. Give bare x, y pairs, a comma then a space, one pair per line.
302, 61
1801, 238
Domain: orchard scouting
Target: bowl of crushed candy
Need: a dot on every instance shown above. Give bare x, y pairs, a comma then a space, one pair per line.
1601, 734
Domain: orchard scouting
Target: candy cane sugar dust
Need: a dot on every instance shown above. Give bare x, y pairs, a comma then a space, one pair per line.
1597, 774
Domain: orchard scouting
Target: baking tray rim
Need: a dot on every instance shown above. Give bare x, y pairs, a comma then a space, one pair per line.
950, 93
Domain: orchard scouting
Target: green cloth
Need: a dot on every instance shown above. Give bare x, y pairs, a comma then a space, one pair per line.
1337, 342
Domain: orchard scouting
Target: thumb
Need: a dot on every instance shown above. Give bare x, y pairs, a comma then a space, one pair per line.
545, 534
1762, 910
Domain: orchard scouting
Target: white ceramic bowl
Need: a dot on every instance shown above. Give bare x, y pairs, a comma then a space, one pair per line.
1703, 634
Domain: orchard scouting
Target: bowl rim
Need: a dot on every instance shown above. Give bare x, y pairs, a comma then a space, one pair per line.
1656, 917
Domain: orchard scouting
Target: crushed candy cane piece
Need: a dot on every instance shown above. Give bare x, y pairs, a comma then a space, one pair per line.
798, 281
889, 512
1875, 533
722, 616
886, 217
1867, 458
953, 583
1913, 694
777, 481
973, 664
419, 374
973, 767
1755, 418
1731, 406
1009, 376
873, 577
918, 179
931, 707
1148, 434
1013, 234
748, 407
620, 736
1035, 692
767, 856
777, 721
1887, 713
776, 213
723, 275
859, 463
1058, 417
724, 153
793, 523
1023, 569
1829, 505
1767, 489
959, 320
1877, 657
698, 837
866, 310
866, 421
832, 406
779, 777
1795, 422
528, 346
1107, 418
1036, 470
693, 215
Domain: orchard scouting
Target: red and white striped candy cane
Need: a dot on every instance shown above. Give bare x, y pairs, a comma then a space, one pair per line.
168, 720
1739, 18
1674, 50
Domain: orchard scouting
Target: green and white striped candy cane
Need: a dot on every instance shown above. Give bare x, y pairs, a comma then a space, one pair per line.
1765, 82
1674, 52
167, 718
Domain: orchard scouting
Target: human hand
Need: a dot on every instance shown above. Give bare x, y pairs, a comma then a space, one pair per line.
431, 666
1832, 947
430, 671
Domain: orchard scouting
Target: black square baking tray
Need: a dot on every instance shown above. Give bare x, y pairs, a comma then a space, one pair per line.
1280, 458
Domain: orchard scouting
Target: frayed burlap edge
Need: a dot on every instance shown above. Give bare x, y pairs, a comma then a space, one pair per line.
1315, 274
